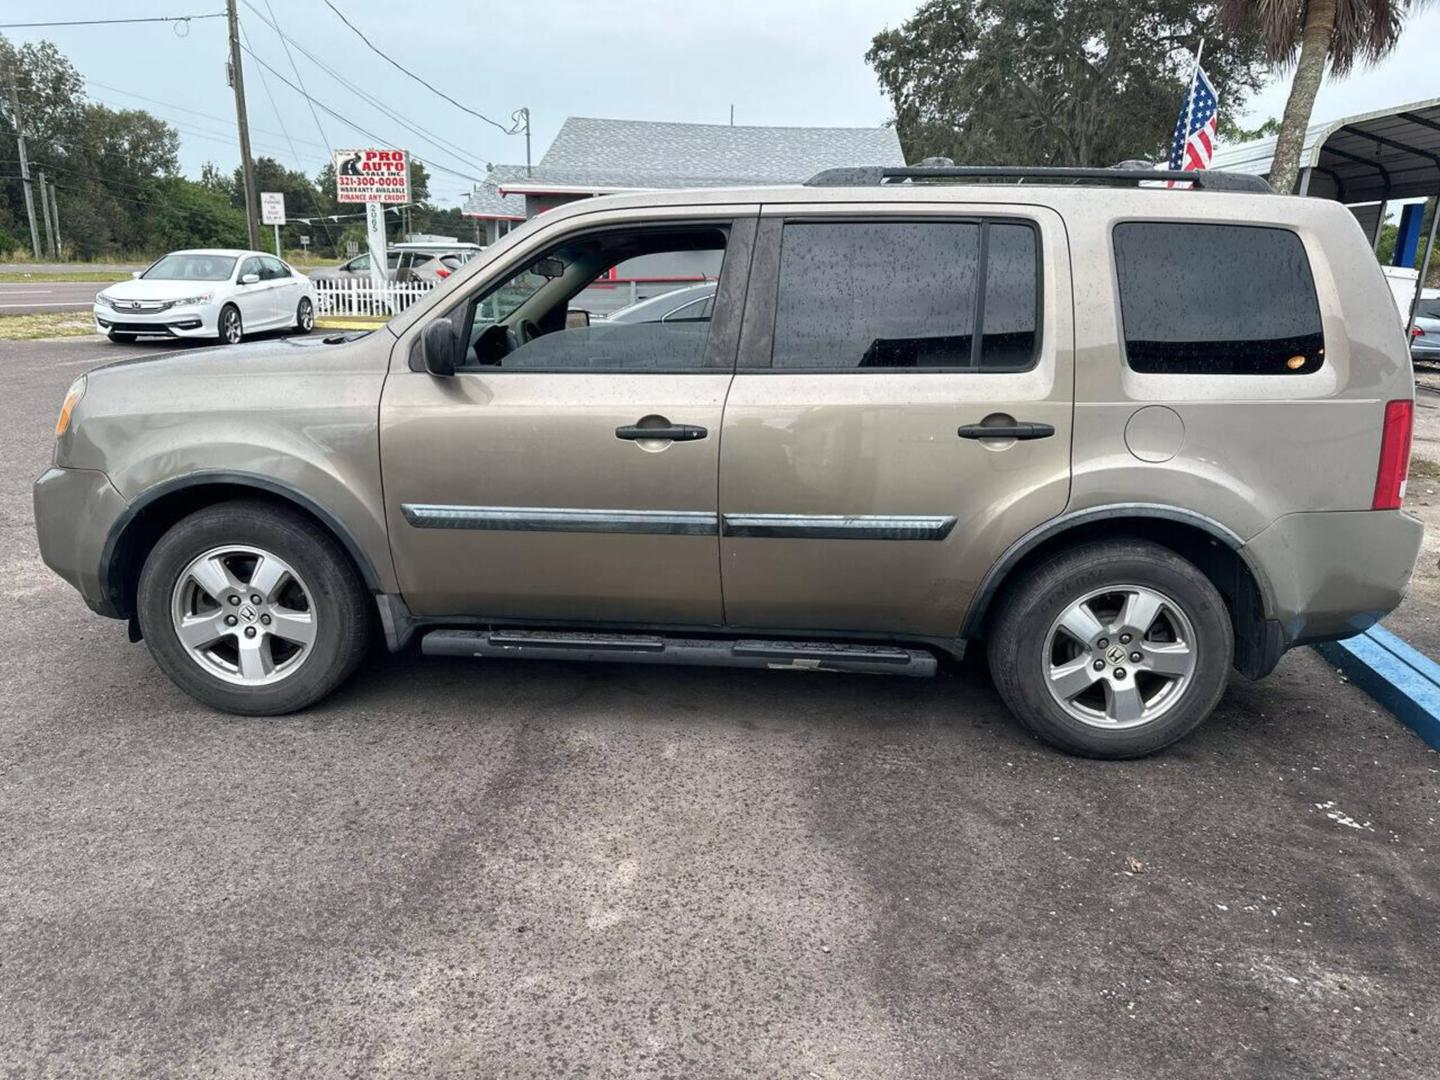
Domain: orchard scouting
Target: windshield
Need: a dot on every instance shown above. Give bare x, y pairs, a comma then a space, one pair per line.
188, 267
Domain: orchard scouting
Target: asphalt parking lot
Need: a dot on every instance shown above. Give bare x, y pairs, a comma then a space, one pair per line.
522, 870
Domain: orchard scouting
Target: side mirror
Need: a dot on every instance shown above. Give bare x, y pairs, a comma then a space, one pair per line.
577, 319
249, 279
437, 346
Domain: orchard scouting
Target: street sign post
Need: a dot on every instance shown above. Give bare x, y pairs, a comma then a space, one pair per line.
272, 212
373, 177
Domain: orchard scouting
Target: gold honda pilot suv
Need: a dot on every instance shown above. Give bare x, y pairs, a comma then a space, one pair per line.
1125, 435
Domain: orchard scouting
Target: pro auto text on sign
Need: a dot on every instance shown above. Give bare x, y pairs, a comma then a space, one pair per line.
363, 176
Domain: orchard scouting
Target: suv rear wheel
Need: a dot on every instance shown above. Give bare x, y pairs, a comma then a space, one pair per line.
1112, 649
252, 609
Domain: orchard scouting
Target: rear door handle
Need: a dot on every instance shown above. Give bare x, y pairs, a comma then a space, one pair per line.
1027, 429
675, 432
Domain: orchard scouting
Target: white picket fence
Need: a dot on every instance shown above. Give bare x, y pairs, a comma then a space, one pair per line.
359, 297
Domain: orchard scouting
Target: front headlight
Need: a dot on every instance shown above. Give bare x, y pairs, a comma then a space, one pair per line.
101, 298
203, 298
72, 398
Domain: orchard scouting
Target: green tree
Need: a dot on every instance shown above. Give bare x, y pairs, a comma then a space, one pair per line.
1313, 33
1054, 82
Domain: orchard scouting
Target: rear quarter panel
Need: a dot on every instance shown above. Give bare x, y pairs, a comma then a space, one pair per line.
1254, 447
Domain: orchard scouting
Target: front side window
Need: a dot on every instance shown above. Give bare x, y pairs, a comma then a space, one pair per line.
249, 266
272, 269
541, 318
907, 295
1217, 300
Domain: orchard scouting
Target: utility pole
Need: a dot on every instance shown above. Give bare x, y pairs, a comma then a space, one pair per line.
247, 167
525, 113
55, 210
24, 162
45, 215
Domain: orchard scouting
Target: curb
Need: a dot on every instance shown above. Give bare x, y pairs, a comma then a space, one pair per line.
1392, 672
341, 322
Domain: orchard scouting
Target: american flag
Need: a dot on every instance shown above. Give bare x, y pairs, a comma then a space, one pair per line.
1194, 140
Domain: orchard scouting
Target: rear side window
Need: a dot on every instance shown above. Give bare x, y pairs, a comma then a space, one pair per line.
1217, 300
907, 295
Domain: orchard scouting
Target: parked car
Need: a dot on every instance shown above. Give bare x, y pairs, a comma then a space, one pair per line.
695, 303
207, 292
404, 262
926, 415
1425, 334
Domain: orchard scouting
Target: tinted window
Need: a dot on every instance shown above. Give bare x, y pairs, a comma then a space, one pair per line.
1217, 300
906, 295
273, 268
1012, 297
1428, 309
249, 266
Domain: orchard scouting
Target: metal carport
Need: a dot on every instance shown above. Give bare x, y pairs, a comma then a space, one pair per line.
1365, 162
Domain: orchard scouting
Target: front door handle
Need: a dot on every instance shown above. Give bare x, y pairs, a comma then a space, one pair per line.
674, 432
1027, 429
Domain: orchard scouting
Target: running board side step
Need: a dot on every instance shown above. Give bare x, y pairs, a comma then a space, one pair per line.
709, 652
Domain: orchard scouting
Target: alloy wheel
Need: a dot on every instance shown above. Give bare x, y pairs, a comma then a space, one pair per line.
244, 615
230, 327
1120, 657
306, 318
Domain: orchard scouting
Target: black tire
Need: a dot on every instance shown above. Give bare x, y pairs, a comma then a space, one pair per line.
1019, 645
339, 600
123, 339
304, 316
230, 326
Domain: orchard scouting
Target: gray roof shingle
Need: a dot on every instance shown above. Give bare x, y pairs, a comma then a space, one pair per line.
651, 154
485, 200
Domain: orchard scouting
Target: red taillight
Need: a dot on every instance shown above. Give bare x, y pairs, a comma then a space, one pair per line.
1415, 331
1394, 455
442, 273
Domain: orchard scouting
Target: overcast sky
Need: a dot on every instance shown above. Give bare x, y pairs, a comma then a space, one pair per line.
785, 62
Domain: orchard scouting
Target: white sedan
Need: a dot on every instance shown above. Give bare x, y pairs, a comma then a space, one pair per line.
207, 292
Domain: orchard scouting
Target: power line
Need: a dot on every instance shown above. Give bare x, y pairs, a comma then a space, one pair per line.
110, 22
416, 129
351, 124
279, 119
400, 67
284, 44
193, 112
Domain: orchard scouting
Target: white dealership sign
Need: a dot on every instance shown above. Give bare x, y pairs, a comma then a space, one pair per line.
365, 176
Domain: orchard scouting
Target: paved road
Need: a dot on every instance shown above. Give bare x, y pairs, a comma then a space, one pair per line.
29, 298
501, 869
69, 268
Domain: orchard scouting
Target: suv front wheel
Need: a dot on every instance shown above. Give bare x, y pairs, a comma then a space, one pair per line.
252, 609
1112, 649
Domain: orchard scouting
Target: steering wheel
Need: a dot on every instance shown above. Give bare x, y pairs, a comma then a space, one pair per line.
522, 333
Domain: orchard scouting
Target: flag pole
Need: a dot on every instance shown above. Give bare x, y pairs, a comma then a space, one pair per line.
1190, 100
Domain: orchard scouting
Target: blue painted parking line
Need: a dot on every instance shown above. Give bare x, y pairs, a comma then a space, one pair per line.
1392, 672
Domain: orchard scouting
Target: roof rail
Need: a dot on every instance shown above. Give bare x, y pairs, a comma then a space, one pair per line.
877, 175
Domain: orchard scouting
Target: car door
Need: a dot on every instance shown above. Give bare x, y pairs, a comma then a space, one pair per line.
531, 487
285, 290
253, 298
858, 488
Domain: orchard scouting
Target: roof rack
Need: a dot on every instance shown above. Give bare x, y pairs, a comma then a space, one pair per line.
878, 175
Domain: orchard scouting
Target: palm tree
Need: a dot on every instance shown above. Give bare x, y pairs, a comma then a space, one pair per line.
1335, 31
